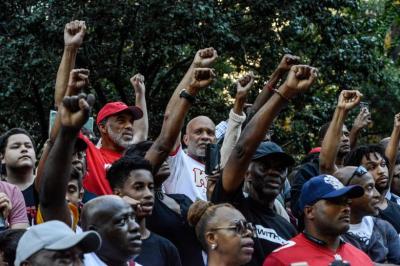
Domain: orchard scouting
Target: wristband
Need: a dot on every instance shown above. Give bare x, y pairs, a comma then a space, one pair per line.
281, 95
190, 98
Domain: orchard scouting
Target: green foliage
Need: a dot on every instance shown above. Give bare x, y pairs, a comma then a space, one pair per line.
343, 38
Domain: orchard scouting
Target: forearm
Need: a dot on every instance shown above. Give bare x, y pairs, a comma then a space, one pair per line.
330, 144
66, 65
232, 134
266, 92
392, 148
183, 84
141, 126
248, 142
56, 175
239, 104
170, 131
354, 134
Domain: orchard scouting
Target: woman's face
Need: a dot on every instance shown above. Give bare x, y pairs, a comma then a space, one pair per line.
231, 235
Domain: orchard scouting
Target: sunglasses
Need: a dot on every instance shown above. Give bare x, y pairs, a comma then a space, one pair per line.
360, 171
240, 227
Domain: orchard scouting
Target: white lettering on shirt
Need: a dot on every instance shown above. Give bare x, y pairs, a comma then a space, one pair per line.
269, 234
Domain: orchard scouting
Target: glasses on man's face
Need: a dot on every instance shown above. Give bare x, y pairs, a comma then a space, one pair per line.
360, 171
240, 227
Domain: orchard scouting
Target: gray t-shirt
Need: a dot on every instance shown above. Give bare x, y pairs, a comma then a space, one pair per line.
377, 238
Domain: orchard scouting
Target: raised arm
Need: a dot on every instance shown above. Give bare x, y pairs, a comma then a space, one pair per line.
74, 112
204, 58
74, 32
299, 79
141, 126
236, 117
362, 120
330, 145
393, 145
159, 151
284, 66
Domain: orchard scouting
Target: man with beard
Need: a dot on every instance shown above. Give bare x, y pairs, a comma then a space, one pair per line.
19, 157
265, 169
326, 206
131, 176
373, 158
376, 237
187, 169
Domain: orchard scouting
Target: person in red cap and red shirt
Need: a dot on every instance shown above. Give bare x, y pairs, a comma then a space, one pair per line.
115, 122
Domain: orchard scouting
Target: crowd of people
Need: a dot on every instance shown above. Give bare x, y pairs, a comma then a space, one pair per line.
220, 195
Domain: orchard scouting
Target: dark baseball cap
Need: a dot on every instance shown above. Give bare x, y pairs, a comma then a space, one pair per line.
114, 108
326, 187
269, 149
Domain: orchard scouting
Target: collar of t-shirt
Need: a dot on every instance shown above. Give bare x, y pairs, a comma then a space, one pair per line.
319, 241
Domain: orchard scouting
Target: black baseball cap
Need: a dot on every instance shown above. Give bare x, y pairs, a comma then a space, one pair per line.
271, 150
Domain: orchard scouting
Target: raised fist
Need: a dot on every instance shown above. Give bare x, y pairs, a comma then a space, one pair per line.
137, 82
74, 32
288, 61
301, 77
244, 84
363, 119
205, 57
397, 120
75, 110
78, 79
200, 78
348, 99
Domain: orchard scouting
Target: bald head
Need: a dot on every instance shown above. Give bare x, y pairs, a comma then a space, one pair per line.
201, 119
101, 209
200, 131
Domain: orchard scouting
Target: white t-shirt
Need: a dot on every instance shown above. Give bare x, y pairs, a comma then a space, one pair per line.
187, 176
91, 259
363, 230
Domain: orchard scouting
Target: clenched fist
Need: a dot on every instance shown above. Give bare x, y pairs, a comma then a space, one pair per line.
74, 32
205, 57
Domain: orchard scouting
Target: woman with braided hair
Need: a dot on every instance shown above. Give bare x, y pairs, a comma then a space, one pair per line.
223, 232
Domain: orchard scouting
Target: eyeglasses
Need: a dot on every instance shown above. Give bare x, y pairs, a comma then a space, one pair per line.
241, 227
360, 171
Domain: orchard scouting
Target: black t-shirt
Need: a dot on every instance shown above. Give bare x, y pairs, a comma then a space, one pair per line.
31, 198
176, 228
305, 173
158, 251
392, 215
272, 230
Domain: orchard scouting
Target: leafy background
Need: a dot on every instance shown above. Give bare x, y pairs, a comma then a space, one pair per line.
354, 43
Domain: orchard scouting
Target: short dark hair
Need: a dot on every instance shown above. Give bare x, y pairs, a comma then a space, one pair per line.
76, 175
14, 131
354, 157
139, 149
322, 131
121, 169
8, 243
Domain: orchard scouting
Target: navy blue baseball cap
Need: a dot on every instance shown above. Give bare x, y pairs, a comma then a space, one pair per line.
326, 187
268, 148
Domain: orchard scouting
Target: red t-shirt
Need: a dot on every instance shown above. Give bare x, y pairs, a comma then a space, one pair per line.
300, 249
98, 161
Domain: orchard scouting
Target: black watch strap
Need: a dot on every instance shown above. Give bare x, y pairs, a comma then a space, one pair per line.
187, 96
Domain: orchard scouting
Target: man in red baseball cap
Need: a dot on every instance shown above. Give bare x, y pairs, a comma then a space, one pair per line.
115, 122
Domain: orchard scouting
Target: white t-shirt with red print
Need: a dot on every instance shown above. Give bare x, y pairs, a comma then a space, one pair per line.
187, 176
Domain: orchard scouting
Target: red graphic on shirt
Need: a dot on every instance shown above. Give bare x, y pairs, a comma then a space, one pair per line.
200, 177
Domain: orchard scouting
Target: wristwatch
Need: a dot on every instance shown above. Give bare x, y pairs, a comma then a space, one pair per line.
187, 96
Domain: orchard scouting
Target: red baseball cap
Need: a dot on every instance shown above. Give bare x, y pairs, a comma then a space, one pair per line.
118, 107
